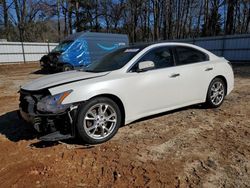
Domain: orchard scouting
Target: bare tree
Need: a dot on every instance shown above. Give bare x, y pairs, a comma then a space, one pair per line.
70, 12
142, 20
156, 15
230, 16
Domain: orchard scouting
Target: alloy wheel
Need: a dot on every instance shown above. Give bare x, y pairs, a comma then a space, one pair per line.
100, 121
217, 93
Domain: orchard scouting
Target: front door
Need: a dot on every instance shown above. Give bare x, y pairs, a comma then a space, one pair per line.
158, 88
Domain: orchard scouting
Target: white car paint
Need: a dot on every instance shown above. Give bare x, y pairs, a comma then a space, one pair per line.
59, 78
145, 93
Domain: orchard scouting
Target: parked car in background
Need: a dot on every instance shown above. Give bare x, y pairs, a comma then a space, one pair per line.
124, 86
81, 49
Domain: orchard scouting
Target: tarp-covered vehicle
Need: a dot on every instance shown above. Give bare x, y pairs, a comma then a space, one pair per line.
81, 49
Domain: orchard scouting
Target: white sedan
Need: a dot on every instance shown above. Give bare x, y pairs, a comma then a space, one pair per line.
124, 86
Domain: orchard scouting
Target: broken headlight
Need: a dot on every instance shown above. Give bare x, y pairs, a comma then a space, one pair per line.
53, 103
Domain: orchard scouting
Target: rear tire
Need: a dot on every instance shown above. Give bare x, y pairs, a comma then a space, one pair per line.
216, 93
98, 120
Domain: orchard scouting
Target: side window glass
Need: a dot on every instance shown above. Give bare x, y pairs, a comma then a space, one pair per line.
162, 57
188, 55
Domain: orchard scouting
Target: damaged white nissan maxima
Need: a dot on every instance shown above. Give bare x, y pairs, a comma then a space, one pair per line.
124, 86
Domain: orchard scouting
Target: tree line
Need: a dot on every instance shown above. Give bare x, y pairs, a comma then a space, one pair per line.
142, 20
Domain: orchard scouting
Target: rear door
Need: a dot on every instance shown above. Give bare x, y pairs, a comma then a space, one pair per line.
195, 69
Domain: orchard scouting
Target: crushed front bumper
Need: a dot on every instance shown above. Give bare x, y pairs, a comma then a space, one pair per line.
50, 66
46, 123
49, 62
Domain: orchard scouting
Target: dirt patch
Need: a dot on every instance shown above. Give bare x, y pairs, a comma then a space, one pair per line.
190, 147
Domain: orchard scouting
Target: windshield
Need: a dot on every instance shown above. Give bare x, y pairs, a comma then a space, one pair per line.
62, 46
114, 60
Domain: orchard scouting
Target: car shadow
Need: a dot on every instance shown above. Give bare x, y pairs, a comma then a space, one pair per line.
43, 72
70, 144
15, 129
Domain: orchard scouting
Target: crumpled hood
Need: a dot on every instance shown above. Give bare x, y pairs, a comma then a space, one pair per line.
59, 79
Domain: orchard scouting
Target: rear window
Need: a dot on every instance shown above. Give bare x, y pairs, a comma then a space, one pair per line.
187, 55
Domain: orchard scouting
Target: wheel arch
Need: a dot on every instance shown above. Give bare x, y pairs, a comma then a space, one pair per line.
117, 100
67, 64
221, 77
224, 80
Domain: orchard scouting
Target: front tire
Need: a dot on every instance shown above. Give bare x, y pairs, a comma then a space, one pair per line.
216, 93
67, 68
98, 120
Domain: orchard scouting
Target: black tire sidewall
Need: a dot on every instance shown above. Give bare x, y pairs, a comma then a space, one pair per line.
83, 108
66, 67
209, 103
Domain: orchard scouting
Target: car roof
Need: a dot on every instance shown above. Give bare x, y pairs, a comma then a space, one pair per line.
158, 44
144, 45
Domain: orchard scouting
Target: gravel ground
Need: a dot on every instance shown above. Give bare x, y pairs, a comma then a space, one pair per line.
189, 147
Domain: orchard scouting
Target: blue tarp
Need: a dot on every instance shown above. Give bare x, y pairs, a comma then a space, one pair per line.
81, 49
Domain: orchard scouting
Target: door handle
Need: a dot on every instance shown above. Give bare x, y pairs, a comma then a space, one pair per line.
174, 75
209, 69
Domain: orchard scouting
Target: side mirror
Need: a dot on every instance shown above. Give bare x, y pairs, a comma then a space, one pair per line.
145, 66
